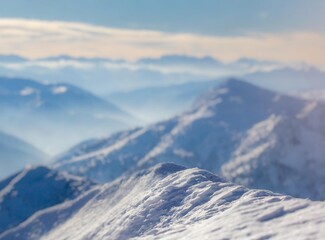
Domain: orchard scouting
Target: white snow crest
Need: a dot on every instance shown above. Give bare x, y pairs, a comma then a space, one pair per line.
170, 203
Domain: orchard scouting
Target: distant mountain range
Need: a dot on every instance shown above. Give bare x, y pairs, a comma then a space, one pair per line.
249, 135
163, 202
99, 75
104, 76
150, 89
15, 154
54, 116
154, 104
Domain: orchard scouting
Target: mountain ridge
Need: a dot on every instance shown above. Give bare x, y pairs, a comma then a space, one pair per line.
169, 201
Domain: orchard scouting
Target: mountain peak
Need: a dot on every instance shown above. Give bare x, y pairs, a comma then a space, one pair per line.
233, 92
236, 84
167, 168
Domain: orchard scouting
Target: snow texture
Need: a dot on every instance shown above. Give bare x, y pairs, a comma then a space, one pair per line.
170, 202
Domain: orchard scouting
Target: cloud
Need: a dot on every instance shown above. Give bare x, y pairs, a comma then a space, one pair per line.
34, 39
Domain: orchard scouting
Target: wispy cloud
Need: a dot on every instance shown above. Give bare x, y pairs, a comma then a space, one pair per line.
34, 38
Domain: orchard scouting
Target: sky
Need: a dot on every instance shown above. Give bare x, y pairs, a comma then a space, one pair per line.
281, 30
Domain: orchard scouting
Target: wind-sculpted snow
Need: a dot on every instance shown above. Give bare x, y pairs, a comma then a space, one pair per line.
246, 134
170, 202
33, 189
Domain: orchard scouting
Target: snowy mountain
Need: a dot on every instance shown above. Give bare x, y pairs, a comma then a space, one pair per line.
15, 154
249, 135
34, 189
170, 202
55, 110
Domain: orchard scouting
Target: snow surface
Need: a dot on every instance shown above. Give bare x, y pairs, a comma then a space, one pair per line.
246, 134
282, 155
170, 202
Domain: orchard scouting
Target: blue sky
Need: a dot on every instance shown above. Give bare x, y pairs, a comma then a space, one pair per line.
280, 30
217, 17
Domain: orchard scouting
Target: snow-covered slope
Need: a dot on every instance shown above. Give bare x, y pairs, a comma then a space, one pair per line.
282, 154
57, 110
224, 130
33, 189
15, 154
170, 202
